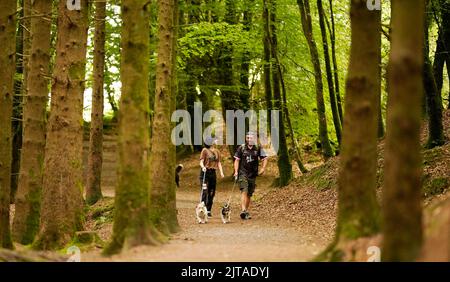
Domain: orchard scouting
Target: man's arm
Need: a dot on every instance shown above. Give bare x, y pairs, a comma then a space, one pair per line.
236, 166
263, 168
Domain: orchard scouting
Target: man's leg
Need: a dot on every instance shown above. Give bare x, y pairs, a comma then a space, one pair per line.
251, 190
245, 200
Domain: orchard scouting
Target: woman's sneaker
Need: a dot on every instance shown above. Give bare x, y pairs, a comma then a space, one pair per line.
247, 215
243, 214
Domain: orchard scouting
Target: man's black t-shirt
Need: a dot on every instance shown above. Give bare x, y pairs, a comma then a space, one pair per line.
248, 164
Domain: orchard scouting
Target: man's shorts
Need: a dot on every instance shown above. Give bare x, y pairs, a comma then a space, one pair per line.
247, 185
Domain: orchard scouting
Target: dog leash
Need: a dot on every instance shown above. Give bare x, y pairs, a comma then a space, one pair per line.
232, 190
203, 187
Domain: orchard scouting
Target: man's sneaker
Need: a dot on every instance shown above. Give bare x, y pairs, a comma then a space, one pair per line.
247, 215
209, 214
243, 215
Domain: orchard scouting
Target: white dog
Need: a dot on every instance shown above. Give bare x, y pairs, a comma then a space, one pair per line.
202, 213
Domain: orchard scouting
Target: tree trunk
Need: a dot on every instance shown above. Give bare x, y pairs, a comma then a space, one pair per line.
230, 96
442, 53
62, 202
284, 162
131, 218
402, 210
333, 103
298, 157
246, 59
28, 198
448, 71
267, 62
95, 159
7, 70
335, 65
358, 212
162, 206
380, 119
308, 32
433, 90
23, 41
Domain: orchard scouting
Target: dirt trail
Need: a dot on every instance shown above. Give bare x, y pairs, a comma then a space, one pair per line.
257, 239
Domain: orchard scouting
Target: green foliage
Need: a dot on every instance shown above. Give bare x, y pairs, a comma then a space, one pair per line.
205, 41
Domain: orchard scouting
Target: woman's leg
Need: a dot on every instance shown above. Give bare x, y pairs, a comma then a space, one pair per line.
211, 190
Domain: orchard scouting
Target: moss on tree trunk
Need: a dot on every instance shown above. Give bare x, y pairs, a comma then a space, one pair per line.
358, 213
62, 202
402, 211
7, 70
162, 192
433, 87
132, 226
28, 198
95, 158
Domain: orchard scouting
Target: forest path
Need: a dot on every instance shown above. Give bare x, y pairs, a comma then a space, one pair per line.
257, 239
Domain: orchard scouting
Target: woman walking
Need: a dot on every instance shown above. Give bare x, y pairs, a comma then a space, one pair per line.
210, 161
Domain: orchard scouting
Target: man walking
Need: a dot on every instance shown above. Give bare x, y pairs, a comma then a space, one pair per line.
246, 165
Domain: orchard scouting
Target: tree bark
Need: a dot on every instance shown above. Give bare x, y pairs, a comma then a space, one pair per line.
284, 162
433, 87
442, 54
230, 96
62, 203
132, 226
7, 70
358, 210
298, 157
95, 158
162, 205
28, 198
333, 102
335, 65
305, 13
267, 62
23, 42
402, 210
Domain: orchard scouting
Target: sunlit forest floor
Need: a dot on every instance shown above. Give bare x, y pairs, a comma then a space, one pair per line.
294, 223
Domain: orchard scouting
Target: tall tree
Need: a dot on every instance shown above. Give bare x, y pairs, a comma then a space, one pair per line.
332, 30
246, 60
441, 11
297, 153
28, 198
333, 102
267, 60
358, 210
284, 162
162, 207
23, 42
402, 211
62, 202
305, 13
95, 158
131, 215
7, 69
432, 90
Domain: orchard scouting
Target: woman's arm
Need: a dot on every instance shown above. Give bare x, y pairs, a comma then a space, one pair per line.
202, 165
